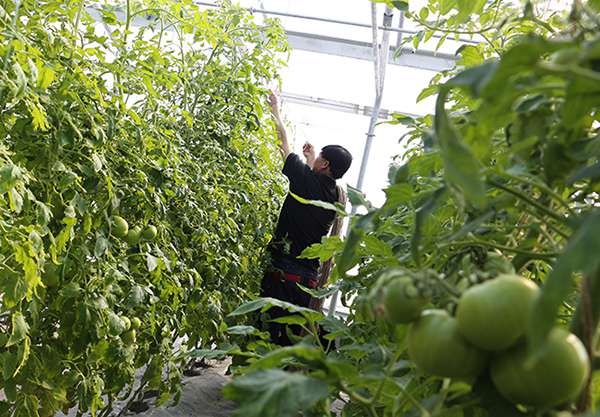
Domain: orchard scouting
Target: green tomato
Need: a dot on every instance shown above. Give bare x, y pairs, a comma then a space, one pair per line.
129, 337
402, 302
556, 377
495, 314
120, 228
136, 323
134, 235
126, 321
436, 346
149, 233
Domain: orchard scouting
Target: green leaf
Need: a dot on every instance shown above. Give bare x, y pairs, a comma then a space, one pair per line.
467, 8
46, 77
151, 262
274, 393
298, 320
427, 92
329, 246
302, 352
461, 169
266, 303
102, 246
400, 5
591, 172
243, 330
322, 204
580, 255
348, 259
398, 195
421, 215
474, 79
470, 56
335, 327
20, 329
357, 197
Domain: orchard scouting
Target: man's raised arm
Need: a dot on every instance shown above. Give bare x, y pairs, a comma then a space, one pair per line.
281, 133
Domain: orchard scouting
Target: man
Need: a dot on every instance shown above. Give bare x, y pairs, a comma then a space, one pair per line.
300, 225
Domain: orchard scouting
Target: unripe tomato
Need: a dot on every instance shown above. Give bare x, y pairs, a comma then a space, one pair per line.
149, 233
495, 314
133, 236
402, 302
126, 322
558, 376
119, 227
436, 346
129, 337
136, 323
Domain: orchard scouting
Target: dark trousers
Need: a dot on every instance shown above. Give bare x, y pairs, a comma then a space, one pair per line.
273, 285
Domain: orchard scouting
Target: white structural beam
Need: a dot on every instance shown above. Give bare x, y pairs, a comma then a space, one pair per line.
420, 59
341, 106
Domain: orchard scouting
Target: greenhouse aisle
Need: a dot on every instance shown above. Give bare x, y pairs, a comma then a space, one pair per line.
201, 397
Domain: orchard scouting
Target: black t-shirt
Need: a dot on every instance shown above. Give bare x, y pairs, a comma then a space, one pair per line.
301, 225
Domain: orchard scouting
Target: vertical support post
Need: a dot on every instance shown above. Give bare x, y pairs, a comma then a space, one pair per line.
400, 34
380, 59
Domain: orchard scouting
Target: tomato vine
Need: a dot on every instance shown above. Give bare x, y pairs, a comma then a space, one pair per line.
501, 180
130, 218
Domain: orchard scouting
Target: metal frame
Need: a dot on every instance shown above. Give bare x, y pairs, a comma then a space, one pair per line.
421, 59
265, 12
409, 57
342, 106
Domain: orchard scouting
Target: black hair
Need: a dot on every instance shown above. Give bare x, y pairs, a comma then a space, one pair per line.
339, 159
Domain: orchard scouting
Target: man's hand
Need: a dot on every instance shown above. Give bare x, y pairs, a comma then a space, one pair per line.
274, 103
309, 153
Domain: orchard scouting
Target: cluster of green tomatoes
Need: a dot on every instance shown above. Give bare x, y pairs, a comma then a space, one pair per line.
120, 229
487, 331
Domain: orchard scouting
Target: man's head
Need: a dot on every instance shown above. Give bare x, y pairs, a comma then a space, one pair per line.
333, 160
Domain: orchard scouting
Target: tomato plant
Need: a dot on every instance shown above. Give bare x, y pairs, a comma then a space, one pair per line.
131, 146
502, 179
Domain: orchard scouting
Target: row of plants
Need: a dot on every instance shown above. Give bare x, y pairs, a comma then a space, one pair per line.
138, 189
475, 289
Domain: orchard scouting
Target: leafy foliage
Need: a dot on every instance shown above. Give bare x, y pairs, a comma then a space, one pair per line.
502, 178
152, 113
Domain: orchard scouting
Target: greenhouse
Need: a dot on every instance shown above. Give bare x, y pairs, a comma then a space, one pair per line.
277, 208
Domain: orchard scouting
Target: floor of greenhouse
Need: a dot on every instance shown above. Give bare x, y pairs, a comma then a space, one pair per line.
201, 397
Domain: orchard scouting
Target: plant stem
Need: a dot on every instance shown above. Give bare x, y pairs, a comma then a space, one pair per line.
528, 200
541, 186
354, 395
476, 242
76, 27
127, 22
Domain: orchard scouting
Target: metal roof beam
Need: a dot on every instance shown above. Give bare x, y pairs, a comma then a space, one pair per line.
420, 59
341, 106
329, 20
